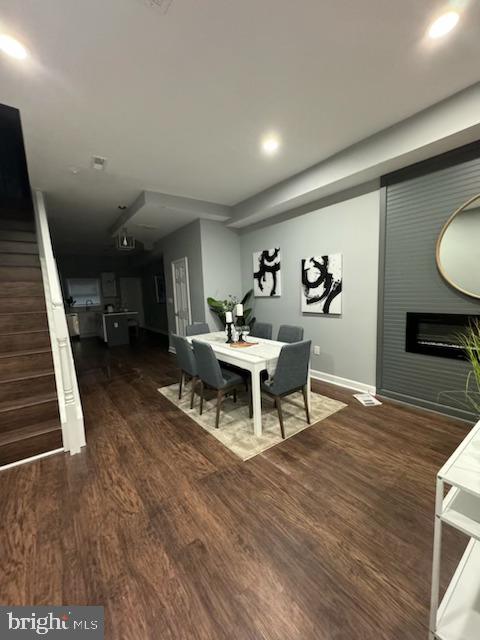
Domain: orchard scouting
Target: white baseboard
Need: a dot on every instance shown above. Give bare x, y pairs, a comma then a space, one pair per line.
342, 382
172, 350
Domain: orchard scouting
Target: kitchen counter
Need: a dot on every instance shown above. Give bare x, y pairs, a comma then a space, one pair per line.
120, 313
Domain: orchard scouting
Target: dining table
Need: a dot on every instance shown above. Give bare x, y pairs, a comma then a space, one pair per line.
260, 355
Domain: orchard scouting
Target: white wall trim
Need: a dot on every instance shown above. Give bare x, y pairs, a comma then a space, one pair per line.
32, 459
343, 382
171, 350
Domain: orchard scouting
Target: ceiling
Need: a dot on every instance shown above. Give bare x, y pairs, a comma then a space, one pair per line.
177, 101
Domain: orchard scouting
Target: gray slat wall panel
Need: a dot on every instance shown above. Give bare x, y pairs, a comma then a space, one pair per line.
416, 211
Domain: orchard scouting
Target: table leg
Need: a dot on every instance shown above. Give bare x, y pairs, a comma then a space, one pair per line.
257, 403
309, 391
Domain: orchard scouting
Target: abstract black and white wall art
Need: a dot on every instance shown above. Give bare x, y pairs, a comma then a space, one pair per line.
267, 273
322, 284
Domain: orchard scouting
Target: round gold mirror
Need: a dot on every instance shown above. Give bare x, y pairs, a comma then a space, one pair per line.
458, 249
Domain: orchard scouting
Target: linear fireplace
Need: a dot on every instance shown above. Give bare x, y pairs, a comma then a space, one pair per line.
436, 334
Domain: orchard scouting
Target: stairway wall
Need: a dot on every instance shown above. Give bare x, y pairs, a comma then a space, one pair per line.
29, 415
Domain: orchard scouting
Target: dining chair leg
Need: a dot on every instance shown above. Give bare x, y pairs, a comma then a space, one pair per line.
194, 384
305, 399
234, 395
219, 404
280, 415
250, 403
181, 386
202, 387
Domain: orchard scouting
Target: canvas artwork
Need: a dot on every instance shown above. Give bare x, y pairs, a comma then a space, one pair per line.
322, 284
267, 273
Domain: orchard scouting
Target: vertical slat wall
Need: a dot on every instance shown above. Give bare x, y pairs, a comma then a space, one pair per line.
416, 211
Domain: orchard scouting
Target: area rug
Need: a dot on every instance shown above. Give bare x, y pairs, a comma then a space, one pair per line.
236, 429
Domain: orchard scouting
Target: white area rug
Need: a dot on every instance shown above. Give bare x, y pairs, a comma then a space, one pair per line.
236, 429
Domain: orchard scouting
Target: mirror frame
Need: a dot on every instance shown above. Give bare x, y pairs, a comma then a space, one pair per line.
439, 241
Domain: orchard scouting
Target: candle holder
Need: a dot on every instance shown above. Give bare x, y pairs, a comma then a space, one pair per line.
239, 323
229, 339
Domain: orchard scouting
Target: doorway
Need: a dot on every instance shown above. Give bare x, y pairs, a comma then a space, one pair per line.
181, 295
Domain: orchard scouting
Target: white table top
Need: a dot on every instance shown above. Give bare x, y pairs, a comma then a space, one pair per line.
265, 352
462, 469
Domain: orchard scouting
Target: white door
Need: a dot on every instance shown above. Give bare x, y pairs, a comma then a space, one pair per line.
132, 297
181, 295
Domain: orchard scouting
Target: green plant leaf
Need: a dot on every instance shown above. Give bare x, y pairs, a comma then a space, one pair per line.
247, 296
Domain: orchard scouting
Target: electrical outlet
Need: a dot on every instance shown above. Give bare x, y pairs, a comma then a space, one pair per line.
316, 350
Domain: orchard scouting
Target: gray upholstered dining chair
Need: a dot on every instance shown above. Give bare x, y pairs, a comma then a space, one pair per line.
197, 328
261, 330
212, 375
187, 364
291, 375
290, 333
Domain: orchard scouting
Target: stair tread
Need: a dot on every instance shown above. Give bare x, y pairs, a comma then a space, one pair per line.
23, 313
25, 331
29, 376
31, 430
40, 294
16, 354
17, 333
13, 405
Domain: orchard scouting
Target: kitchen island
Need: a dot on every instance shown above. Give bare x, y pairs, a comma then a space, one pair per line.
114, 327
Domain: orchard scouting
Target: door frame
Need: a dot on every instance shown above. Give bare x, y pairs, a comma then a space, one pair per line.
187, 282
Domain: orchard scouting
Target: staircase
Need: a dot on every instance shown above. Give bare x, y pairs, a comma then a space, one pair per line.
29, 415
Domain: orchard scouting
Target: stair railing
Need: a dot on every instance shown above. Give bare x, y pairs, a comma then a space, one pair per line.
70, 407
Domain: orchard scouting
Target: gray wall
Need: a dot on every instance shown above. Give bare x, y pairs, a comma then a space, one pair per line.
347, 342
186, 242
416, 211
221, 264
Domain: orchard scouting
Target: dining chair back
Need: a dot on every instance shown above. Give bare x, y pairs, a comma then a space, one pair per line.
261, 330
185, 356
289, 333
208, 367
291, 375
197, 328
210, 373
187, 364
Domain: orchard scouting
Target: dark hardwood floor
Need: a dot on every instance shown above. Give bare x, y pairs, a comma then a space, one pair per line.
327, 536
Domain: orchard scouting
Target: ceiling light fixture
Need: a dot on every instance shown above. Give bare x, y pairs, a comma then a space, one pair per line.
270, 144
12, 47
444, 24
125, 242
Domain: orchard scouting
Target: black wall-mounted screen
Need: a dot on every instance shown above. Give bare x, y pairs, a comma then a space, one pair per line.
437, 334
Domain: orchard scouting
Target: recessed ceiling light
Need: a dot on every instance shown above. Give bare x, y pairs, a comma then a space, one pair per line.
444, 24
12, 47
270, 144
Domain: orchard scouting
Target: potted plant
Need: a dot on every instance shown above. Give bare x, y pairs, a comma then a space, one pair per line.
220, 307
470, 341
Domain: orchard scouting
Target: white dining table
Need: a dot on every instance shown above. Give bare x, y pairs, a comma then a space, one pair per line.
255, 359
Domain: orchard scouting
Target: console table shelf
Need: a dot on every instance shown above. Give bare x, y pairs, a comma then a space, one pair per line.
457, 617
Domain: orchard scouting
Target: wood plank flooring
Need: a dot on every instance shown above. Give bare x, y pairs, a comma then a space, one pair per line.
327, 536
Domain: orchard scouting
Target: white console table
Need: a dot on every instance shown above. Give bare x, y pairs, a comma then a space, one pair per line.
457, 616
